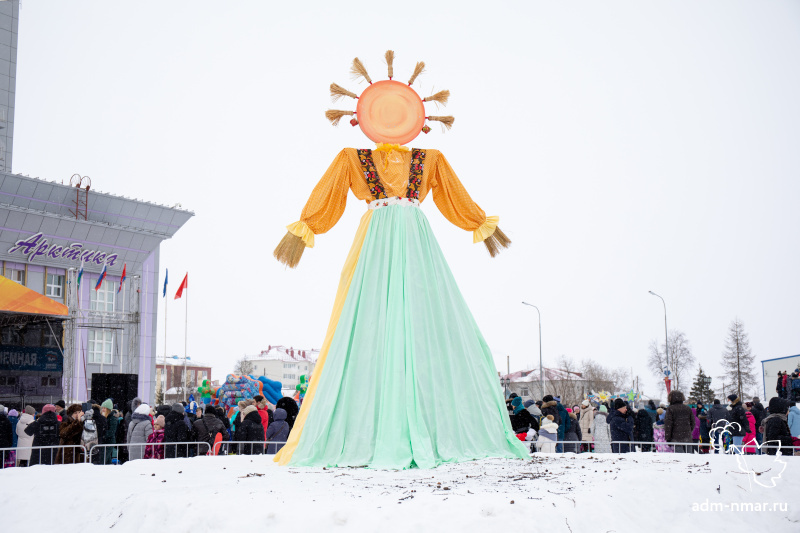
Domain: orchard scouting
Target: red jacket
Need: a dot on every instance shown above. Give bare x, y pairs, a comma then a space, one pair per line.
750, 435
264, 419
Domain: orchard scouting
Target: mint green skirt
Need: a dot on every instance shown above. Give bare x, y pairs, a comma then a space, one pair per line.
409, 380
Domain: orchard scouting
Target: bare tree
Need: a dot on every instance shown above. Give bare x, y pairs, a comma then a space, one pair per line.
600, 378
567, 381
738, 360
243, 367
681, 359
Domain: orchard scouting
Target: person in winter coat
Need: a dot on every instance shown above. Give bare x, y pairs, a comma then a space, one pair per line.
139, 429
585, 422
13, 416
563, 426
679, 421
573, 435
278, 431
737, 421
793, 419
69, 434
534, 410
548, 433
620, 423
702, 420
643, 429
549, 407
7, 457
652, 411
176, 431
658, 433
601, 432
113, 419
718, 415
45, 433
750, 441
521, 419
775, 428
156, 451
263, 412
24, 441
250, 430
208, 426
291, 408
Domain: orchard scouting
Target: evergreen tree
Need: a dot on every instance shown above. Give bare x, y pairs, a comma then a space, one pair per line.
701, 388
738, 360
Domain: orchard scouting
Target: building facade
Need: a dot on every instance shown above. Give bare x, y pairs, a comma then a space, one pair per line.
283, 364
49, 231
172, 375
9, 24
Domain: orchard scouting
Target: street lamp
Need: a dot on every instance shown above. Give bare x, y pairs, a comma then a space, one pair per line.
666, 334
185, 358
541, 370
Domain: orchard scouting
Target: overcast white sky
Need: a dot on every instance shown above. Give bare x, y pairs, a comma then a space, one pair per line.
627, 146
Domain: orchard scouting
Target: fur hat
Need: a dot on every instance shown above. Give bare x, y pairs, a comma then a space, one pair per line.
178, 408
143, 409
619, 403
61, 403
676, 396
550, 418
49, 408
74, 408
249, 409
29, 410
242, 405
548, 398
603, 409
660, 411
732, 397
160, 421
108, 404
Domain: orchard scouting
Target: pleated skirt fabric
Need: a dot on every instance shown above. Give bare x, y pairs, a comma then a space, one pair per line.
409, 380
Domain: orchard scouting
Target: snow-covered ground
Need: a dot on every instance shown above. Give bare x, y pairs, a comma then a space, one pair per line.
553, 493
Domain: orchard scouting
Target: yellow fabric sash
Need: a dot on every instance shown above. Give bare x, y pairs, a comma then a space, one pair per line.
285, 454
485, 230
301, 229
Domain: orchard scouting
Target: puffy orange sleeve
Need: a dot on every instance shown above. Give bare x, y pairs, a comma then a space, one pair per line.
323, 210
457, 206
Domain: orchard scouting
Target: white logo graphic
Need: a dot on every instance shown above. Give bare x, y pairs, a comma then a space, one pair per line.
718, 433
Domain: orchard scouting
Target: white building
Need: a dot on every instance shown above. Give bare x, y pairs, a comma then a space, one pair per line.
283, 364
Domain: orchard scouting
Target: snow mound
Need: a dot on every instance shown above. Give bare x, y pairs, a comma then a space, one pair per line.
552, 492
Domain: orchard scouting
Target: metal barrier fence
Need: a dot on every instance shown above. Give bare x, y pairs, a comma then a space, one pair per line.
43, 455
237, 447
687, 447
103, 454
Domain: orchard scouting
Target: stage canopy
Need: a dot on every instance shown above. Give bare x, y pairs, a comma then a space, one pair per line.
14, 298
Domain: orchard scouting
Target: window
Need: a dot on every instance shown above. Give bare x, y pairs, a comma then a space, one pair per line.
15, 275
290, 365
101, 346
55, 286
289, 376
524, 392
49, 382
103, 298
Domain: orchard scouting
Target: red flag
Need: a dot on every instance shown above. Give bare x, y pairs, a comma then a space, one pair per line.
184, 285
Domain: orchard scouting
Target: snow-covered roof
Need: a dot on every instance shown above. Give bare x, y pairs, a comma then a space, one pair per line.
191, 363
282, 353
550, 374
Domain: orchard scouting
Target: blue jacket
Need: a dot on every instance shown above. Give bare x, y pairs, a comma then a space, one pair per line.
794, 421
565, 422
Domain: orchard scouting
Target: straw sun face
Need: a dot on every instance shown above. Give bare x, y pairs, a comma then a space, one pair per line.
388, 111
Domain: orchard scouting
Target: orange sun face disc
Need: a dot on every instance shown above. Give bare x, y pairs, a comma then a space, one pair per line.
390, 112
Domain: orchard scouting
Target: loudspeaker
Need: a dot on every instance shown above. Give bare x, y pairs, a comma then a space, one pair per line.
121, 388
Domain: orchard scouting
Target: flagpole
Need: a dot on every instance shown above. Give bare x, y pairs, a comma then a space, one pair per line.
164, 370
185, 342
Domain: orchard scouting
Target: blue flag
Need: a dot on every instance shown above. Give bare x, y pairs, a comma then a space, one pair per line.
166, 277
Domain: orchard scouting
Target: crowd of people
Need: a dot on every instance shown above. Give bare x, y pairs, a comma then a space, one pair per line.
679, 427
62, 434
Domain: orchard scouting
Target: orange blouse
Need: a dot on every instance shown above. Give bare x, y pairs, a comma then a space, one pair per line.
328, 199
